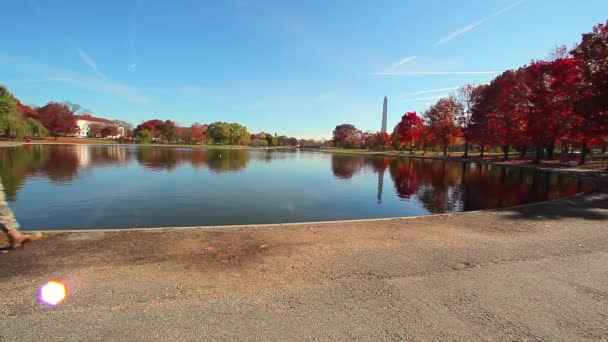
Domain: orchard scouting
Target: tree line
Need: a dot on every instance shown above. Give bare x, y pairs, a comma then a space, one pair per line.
55, 119
223, 133
558, 102
60, 119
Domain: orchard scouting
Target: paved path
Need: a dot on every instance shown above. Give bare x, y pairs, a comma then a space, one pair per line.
531, 273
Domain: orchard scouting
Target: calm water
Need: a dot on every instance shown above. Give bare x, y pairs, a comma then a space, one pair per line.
80, 187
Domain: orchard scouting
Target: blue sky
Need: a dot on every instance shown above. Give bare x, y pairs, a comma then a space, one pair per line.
296, 68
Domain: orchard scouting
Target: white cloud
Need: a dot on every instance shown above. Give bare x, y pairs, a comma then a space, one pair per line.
394, 66
508, 8
402, 61
90, 62
44, 73
420, 99
430, 91
476, 24
458, 32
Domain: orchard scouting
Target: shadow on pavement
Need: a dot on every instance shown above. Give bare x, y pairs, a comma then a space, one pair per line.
589, 207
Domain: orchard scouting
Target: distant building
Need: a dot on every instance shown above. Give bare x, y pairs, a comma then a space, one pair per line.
384, 115
85, 122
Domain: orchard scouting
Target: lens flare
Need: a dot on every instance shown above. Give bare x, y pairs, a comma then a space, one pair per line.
52, 293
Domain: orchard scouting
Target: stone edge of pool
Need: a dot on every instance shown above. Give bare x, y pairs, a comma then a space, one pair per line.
596, 187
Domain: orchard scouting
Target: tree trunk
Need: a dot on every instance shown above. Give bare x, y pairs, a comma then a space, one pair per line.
583, 154
523, 151
445, 150
538, 155
466, 149
411, 148
604, 148
505, 149
481, 150
550, 151
571, 151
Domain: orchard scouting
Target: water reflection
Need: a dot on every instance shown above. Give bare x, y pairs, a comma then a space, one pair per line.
62, 163
448, 186
443, 186
221, 161
435, 185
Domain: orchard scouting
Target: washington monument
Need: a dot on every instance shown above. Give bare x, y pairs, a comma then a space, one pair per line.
384, 107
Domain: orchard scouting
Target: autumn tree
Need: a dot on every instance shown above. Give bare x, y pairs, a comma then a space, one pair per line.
27, 111
197, 132
506, 119
564, 81
409, 130
95, 129
152, 126
592, 108
535, 110
58, 118
442, 121
382, 140
485, 103
109, 131
346, 135
466, 97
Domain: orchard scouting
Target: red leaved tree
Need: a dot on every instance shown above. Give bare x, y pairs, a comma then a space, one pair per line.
506, 117
346, 135
592, 108
382, 140
485, 103
153, 126
197, 132
58, 119
442, 122
467, 96
27, 111
409, 129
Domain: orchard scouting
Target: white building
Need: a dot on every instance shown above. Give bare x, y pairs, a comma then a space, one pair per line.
85, 122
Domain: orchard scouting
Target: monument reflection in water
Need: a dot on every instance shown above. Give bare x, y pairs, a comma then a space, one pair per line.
88, 186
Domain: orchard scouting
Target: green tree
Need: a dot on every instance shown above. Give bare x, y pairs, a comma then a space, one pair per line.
8, 104
238, 134
272, 141
144, 136
228, 133
169, 130
12, 123
35, 128
219, 132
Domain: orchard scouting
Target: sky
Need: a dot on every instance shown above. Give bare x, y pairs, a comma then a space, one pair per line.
297, 68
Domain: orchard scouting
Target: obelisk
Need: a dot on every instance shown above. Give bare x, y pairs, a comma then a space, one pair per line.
384, 109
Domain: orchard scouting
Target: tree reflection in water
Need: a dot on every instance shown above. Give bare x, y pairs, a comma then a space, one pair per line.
438, 185
449, 186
